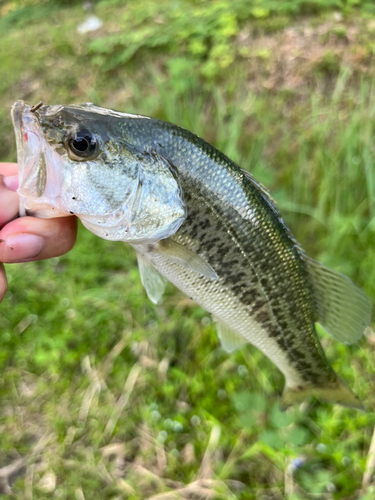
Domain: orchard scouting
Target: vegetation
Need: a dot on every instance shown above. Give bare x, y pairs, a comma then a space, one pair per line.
106, 396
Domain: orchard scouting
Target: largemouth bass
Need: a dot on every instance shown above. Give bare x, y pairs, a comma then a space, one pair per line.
197, 219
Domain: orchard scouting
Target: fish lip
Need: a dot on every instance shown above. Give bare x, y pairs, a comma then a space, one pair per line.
31, 162
16, 114
28, 144
25, 122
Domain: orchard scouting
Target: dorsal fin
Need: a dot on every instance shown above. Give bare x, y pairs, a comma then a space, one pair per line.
343, 309
271, 204
152, 280
259, 185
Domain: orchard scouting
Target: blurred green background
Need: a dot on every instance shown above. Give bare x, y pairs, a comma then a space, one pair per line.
106, 396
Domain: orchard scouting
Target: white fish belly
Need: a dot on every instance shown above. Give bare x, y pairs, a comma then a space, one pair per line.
224, 305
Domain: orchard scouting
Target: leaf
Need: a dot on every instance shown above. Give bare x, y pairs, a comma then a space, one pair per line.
242, 400
272, 438
280, 419
248, 400
298, 436
247, 419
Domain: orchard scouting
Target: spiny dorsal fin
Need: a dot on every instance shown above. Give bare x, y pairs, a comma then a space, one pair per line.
230, 340
152, 280
265, 193
185, 257
343, 309
259, 185
271, 204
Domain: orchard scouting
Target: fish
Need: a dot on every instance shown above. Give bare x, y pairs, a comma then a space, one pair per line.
198, 220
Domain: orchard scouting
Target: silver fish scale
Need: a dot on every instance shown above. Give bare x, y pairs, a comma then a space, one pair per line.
235, 227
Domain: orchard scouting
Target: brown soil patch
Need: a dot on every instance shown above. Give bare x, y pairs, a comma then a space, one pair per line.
297, 56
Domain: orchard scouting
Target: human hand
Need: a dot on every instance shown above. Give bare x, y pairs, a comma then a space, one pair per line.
28, 238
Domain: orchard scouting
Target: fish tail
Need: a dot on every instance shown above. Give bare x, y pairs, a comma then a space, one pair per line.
335, 391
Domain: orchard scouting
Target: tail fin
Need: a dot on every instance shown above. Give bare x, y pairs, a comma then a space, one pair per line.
334, 392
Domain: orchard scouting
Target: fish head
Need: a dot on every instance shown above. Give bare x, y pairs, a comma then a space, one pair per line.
80, 160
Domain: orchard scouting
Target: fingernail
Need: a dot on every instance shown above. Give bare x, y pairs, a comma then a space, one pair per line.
11, 182
22, 246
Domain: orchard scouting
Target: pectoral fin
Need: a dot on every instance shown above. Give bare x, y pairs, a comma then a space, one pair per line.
230, 340
152, 280
185, 257
343, 309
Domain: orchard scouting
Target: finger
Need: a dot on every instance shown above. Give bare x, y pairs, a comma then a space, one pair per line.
8, 168
3, 282
10, 173
9, 201
9, 204
28, 238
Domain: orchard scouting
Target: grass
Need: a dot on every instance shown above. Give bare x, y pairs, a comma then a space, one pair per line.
106, 396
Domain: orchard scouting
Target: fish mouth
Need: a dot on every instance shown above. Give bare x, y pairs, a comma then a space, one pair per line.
32, 168
28, 148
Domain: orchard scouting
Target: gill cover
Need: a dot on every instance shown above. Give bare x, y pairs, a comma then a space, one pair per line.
151, 205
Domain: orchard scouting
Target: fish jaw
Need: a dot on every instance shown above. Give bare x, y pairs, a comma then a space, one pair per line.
39, 167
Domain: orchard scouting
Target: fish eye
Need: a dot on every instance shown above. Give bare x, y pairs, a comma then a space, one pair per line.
83, 143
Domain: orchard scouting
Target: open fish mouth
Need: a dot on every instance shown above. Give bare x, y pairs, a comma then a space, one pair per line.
32, 170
